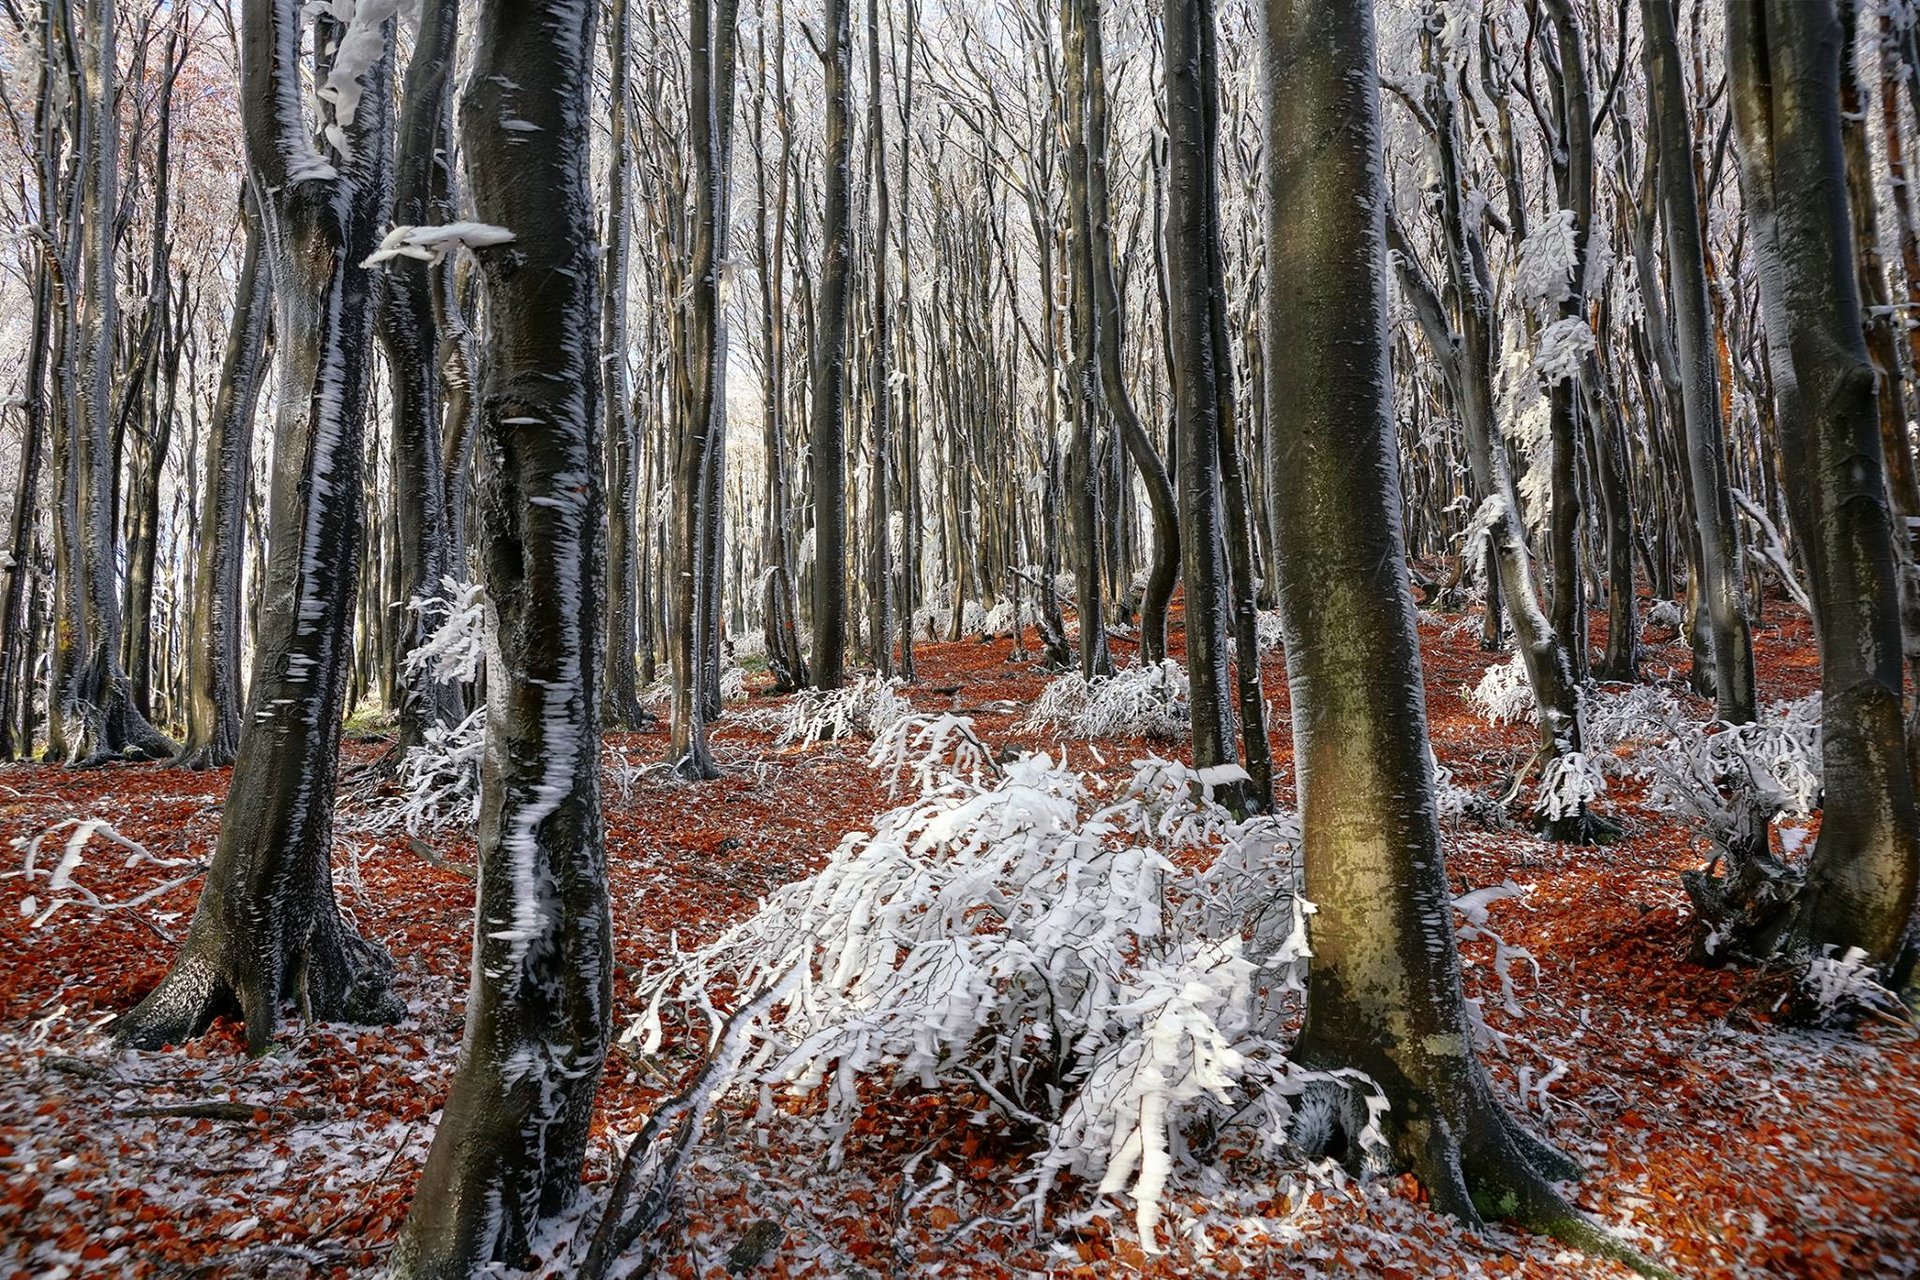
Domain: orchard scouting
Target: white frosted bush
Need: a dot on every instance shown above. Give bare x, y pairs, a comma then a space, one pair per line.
1005, 936
1137, 702
1503, 695
868, 707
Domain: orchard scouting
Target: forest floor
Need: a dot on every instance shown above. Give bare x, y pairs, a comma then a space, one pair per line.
1718, 1140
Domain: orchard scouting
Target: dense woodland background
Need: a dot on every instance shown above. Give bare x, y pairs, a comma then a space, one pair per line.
1149, 521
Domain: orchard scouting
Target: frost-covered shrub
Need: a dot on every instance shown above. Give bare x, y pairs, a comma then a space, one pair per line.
868, 706
59, 882
1503, 695
1089, 977
933, 747
439, 780
1779, 754
1267, 631
1568, 784
1837, 989
733, 683
748, 644
1137, 702
1463, 804
1474, 926
455, 623
1667, 615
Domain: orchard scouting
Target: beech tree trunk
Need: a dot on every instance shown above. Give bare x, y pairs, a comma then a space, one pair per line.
1198, 403
267, 927
510, 1145
214, 699
826, 437
1784, 64
1719, 537
1384, 991
409, 329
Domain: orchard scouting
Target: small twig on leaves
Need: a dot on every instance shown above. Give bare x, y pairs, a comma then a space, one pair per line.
643, 1192
236, 1111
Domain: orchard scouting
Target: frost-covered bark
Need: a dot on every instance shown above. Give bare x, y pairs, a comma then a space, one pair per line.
1784, 63
409, 328
1191, 228
1466, 355
214, 704
1719, 536
1384, 993
267, 928
513, 1134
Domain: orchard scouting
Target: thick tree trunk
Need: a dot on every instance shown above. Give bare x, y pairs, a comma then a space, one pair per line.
1784, 61
1719, 537
509, 1148
267, 927
702, 434
214, 700
1384, 992
102, 695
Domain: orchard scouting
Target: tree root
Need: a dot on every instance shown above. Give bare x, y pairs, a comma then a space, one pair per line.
1492, 1169
1582, 828
345, 978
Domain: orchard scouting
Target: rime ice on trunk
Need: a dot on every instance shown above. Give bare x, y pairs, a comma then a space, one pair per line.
1384, 992
267, 928
510, 1145
1783, 58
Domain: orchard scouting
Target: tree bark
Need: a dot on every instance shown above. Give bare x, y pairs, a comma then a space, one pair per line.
214, 699
1384, 990
1719, 536
510, 1145
826, 443
1784, 64
267, 927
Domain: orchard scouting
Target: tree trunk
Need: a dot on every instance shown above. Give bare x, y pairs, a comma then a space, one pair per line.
214, 700
1384, 992
1784, 64
826, 445
620, 699
510, 1145
267, 927
1719, 537
1190, 236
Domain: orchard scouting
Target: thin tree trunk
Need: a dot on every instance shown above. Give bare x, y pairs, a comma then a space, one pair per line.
826, 443
214, 700
1719, 536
